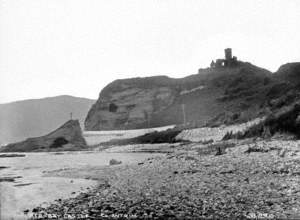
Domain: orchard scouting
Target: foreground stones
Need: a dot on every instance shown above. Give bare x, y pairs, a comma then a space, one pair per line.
187, 183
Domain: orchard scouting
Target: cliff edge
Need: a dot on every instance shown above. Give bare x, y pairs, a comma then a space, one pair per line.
195, 99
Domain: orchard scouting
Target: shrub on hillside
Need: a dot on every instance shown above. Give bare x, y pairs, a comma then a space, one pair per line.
278, 90
156, 137
287, 120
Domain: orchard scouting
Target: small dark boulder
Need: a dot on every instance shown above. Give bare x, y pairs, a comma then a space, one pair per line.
114, 162
59, 142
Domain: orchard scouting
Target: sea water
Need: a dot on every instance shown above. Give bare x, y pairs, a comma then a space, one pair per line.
32, 189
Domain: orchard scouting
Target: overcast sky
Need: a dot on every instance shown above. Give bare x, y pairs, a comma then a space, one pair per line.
76, 47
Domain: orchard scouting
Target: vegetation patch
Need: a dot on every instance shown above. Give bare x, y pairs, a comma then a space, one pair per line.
286, 120
156, 137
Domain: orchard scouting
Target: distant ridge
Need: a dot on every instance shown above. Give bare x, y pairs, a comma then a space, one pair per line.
36, 117
44, 98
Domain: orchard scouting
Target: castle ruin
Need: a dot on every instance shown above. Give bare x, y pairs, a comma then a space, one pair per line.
229, 60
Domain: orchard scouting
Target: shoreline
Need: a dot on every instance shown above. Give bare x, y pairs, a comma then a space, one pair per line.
33, 189
190, 182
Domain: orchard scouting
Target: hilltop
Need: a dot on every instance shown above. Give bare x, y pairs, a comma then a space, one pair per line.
230, 91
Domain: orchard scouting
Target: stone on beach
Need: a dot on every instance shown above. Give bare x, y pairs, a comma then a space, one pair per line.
114, 162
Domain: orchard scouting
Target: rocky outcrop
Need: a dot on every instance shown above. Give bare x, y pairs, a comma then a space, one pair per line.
36, 117
67, 137
130, 104
160, 100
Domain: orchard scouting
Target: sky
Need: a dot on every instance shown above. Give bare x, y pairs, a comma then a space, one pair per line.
76, 47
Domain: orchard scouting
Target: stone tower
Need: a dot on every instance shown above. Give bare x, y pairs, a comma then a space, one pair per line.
228, 54
229, 61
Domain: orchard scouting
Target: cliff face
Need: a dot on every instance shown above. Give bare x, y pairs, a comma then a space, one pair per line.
67, 137
129, 104
160, 100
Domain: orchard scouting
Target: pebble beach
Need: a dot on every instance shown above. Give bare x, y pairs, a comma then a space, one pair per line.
248, 179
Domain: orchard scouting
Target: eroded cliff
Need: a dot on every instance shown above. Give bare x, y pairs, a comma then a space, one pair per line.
130, 103
160, 100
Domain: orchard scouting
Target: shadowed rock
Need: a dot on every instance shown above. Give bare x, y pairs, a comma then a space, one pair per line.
12, 155
114, 162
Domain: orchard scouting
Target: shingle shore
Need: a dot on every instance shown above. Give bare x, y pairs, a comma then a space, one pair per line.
186, 183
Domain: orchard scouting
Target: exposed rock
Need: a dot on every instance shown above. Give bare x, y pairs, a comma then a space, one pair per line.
220, 151
130, 103
9, 178
282, 152
12, 155
114, 162
24, 184
159, 100
36, 117
67, 137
